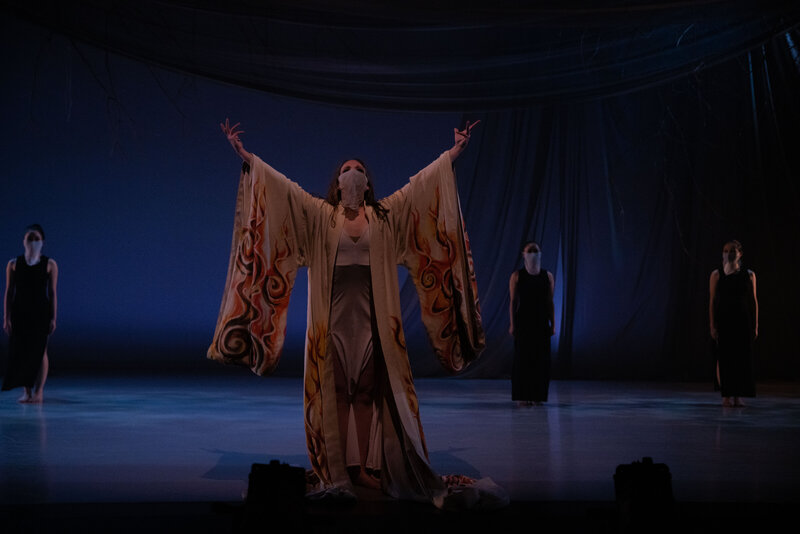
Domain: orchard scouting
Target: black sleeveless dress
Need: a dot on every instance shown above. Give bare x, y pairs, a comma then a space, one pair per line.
734, 314
30, 323
530, 374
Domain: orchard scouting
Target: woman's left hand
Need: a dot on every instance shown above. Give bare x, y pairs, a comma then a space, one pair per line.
52, 326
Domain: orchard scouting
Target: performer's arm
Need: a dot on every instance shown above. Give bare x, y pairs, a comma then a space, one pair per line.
551, 309
427, 229
512, 299
52, 270
232, 133
755, 298
8, 295
421, 187
712, 291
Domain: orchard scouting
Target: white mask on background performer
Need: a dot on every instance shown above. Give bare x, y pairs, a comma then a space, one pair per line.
353, 185
533, 262
36, 247
729, 261
33, 250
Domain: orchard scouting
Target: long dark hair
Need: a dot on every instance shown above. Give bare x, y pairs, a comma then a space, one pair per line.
334, 196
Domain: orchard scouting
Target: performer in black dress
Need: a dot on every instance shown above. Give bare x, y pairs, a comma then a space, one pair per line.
532, 323
29, 316
733, 314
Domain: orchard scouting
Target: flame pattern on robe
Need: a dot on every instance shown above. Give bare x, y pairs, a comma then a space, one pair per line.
440, 289
312, 403
278, 227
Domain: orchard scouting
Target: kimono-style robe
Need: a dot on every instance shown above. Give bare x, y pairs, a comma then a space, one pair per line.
278, 228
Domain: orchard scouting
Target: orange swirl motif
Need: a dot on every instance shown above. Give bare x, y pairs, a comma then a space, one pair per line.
434, 253
255, 327
471, 268
408, 380
316, 347
397, 332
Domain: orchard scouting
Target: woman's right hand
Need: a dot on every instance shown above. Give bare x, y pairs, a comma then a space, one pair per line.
7, 326
714, 334
232, 133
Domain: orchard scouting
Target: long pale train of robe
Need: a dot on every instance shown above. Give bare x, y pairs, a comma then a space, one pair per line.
278, 228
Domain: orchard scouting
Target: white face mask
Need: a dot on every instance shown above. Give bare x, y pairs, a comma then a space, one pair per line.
34, 246
533, 261
730, 257
33, 250
730, 260
352, 185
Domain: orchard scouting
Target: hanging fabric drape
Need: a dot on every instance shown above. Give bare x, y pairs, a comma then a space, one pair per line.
631, 198
467, 57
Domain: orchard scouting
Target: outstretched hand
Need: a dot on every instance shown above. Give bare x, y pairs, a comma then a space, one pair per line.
462, 136
233, 133
461, 139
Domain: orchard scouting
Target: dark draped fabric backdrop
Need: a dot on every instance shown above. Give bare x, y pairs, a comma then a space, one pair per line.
631, 141
631, 198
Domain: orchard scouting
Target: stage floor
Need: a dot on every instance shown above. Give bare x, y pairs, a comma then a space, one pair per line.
193, 438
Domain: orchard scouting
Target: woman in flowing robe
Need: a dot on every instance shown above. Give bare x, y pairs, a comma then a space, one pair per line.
279, 227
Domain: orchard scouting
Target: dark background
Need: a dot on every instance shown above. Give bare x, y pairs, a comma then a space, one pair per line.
631, 141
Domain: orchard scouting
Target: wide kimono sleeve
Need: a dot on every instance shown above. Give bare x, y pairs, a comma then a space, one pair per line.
432, 242
272, 232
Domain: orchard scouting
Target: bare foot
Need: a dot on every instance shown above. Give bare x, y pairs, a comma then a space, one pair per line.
738, 402
367, 480
36, 398
726, 401
25, 398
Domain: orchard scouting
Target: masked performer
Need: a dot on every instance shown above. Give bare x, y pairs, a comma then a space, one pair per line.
733, 315
361, 412
532, 319
29, 316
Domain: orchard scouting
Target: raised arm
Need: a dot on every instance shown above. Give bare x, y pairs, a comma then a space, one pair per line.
461, 139
233, 133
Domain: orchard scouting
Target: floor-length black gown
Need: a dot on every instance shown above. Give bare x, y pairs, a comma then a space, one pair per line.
734, 315
30, 313
530, 374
